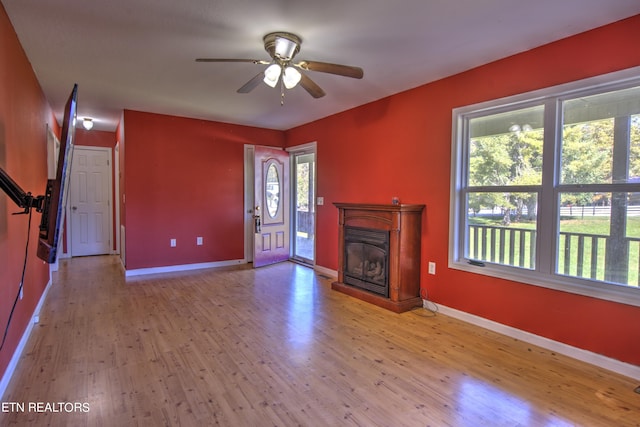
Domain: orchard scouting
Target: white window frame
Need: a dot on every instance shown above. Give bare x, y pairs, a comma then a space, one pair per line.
543, 275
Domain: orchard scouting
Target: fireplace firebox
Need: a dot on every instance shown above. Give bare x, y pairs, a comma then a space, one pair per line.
366, 263
379, 254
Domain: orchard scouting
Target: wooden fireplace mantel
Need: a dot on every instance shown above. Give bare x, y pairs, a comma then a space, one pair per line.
404, 223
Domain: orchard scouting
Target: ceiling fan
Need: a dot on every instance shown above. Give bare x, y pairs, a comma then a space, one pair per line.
283, 47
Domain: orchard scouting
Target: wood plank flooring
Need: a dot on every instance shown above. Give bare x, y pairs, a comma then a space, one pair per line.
277, 347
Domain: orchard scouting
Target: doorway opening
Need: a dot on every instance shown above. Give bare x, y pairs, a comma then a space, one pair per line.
303, 195
89, 211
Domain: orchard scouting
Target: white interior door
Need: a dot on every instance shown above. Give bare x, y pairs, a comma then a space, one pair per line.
271, 212
90, 201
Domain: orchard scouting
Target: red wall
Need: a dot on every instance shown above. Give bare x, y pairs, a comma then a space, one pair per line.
401, 146
184, 179
95, 138
24, 113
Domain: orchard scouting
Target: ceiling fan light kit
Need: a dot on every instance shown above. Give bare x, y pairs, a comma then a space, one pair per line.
283, 47
291, 77
272, 74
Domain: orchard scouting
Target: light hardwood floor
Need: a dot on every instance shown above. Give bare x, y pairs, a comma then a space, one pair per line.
276, 346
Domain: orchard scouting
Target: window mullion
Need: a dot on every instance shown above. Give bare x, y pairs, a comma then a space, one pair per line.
548, 204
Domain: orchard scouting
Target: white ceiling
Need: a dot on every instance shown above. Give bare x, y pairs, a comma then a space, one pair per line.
139, 54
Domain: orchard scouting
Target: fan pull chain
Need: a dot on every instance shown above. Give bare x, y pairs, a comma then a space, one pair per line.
281, 93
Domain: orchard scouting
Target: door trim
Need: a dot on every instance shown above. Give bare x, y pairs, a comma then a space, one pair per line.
67, 233
249, 176
116, 200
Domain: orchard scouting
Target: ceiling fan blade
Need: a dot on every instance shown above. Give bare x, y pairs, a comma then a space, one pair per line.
252, 84
311, 87
255, 61
327, 67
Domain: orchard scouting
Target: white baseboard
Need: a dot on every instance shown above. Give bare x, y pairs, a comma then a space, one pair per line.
183, 267
35, 318
326, 271
622, 368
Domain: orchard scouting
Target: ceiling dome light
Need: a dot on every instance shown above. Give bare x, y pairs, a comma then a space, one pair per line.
291, 77
87, 123
272, 74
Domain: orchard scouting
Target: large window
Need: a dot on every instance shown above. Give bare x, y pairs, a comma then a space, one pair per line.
546, 188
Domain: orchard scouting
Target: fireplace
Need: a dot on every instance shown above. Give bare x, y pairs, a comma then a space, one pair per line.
379, 254
366, 264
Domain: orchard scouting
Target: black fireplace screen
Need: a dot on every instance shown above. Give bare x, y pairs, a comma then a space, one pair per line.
366, 264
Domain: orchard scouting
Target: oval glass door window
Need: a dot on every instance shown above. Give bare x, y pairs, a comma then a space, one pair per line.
272, 190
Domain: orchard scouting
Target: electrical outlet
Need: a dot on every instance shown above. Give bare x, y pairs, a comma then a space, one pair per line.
172, 243
432, 267
199, 241
320, 201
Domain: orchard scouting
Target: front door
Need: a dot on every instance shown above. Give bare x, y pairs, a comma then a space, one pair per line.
89, 198
271, 213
